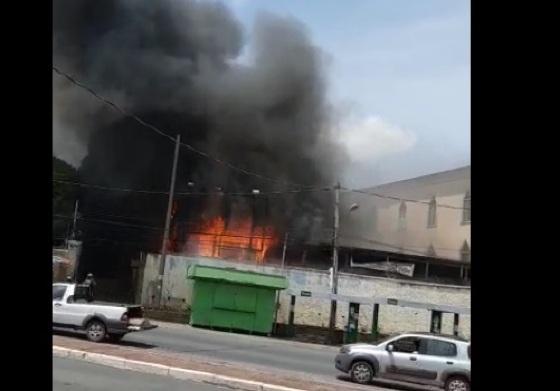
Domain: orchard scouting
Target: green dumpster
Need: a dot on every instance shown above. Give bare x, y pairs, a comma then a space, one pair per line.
234, 299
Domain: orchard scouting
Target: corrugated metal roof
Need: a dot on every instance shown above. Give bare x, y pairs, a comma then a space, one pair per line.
235, 276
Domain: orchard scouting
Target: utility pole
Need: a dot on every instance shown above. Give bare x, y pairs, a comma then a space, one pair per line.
284, 250
278, 292
77, 260
334, 286
168, 221
74, 221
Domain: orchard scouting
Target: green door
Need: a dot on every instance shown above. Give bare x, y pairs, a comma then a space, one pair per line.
234, 307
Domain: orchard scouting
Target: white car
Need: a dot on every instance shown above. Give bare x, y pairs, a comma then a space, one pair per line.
422, 358
72, 310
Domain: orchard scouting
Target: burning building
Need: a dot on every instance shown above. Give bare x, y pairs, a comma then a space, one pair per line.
177, 66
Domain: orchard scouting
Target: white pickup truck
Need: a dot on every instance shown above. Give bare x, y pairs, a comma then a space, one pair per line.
72, 309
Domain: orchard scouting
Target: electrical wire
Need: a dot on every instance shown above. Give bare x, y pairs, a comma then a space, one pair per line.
109, 222
194, 193
396, 198
110, 188
222, 234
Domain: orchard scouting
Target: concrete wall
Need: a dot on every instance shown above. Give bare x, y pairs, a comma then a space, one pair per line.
315, 312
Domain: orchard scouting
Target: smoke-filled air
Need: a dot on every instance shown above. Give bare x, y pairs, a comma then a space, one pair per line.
256, 99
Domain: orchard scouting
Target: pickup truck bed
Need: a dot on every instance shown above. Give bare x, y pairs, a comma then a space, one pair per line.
98, 318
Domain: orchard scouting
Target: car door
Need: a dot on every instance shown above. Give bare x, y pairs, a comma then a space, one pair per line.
401, 361
436, 356
58, 306
75, 311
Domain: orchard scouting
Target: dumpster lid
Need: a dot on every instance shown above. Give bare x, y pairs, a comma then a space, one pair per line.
237, 277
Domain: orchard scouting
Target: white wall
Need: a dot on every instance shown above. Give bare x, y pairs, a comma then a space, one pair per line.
377, 219
311, 311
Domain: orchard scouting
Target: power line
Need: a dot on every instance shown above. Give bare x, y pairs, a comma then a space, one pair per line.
395, 198
110, 188
269, 193
128, 114
109, 222
97, 214
194, 193
264, 193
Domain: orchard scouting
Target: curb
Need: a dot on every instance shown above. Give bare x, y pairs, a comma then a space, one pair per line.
164, 370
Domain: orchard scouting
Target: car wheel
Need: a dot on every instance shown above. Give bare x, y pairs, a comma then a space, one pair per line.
457, 383
96, 331
361, 372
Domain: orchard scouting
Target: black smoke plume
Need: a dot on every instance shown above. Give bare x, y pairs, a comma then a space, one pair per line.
177, 65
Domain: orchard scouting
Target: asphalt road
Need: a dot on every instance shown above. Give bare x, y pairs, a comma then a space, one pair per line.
74, 375
315, 361
254, 350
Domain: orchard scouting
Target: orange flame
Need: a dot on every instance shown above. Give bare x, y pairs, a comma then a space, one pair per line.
239, 240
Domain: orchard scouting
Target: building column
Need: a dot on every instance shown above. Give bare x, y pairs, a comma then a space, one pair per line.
456, 324
435, 322
291, 326
375, 322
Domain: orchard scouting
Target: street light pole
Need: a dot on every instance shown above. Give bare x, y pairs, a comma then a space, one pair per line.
74, 220
334, 285
284, 250
74, 237
168, 221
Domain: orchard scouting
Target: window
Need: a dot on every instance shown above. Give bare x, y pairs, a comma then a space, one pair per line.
402, 215
407, 345
469, 351
58, 292
432, 210
467, 208
434, 347
465, 252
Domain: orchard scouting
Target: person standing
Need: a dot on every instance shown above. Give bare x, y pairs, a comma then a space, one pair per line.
90, 283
